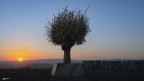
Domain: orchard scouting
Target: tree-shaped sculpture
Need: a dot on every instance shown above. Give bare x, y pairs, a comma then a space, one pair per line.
68, 28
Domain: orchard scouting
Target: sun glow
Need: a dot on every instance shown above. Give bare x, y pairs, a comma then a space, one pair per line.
20, 59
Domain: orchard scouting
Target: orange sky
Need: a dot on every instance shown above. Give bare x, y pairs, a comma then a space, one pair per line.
117, 29
26, 52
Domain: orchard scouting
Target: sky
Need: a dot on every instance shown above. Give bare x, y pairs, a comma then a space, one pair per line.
117, 29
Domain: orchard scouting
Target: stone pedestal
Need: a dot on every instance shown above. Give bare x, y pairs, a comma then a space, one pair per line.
66, 70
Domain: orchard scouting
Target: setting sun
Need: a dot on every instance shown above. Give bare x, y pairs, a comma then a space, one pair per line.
20, 59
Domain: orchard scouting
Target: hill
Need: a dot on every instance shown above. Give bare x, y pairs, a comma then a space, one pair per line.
34, 64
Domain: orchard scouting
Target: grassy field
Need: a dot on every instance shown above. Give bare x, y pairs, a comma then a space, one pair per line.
93, 75
116, 75
25, 74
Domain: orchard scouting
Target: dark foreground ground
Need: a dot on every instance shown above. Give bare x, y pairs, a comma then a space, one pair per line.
93, 75
25, 74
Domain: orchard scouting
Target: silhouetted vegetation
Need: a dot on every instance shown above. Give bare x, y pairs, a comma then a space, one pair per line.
68, 28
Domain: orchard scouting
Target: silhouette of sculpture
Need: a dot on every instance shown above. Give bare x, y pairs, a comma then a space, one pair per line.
68, 28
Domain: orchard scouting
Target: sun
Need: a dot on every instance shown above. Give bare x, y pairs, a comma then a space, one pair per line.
20, 59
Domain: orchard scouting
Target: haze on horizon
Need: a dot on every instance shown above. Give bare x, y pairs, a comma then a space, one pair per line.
117, 29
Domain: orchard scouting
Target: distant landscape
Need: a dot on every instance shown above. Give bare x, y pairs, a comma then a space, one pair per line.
32, 64
44, 63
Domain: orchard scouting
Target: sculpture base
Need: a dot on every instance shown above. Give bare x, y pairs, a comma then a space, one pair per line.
66, 70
